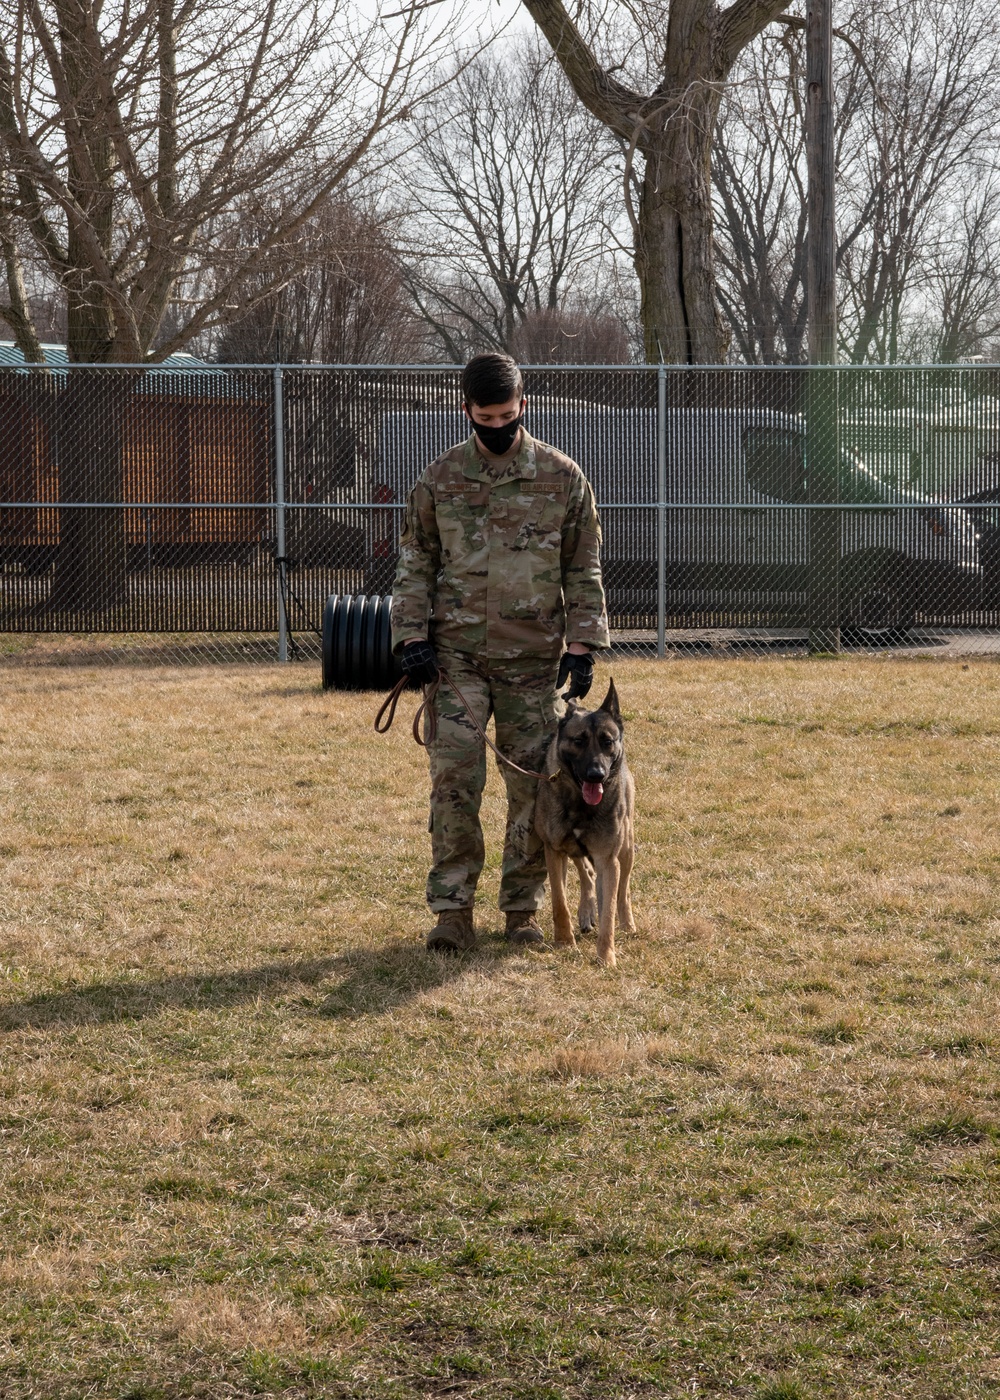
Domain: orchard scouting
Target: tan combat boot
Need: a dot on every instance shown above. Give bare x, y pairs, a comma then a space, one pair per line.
453, 932
522, 928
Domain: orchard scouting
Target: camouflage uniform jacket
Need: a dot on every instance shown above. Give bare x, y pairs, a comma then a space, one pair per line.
501, 567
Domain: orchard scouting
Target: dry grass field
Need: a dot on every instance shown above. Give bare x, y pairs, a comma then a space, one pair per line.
256, 1142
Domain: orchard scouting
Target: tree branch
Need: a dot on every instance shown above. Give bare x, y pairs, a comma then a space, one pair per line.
795, 22
744, 20
610, 101
16, 312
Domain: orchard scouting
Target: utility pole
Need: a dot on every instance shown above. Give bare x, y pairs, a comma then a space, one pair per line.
822, 417
822, 265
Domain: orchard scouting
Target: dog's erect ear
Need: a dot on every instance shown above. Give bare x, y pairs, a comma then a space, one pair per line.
610, 705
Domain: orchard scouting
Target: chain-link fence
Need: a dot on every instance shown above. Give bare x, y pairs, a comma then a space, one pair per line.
209, 511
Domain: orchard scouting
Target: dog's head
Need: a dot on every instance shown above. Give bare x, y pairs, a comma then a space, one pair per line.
589, 745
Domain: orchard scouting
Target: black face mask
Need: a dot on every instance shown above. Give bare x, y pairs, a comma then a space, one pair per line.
500, 440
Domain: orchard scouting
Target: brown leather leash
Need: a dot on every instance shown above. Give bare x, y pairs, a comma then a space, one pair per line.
387, 713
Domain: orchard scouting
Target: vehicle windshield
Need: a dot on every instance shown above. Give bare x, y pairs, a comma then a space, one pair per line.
862, 486
776, 467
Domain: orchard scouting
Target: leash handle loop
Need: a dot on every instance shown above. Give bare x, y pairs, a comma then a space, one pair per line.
387, 713
383, 720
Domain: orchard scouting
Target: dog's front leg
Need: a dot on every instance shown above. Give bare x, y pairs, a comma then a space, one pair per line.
607, 875
626, 856
587, 912
562, 925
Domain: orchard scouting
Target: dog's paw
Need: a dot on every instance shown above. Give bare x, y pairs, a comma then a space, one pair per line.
607, 959
588, 920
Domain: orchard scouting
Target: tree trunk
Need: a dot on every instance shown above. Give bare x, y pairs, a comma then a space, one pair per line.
672, 129
673, 253
90, 568
90, 571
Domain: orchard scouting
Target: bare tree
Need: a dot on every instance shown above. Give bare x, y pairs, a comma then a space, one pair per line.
16, 311
964, 280
571, 338
916, 132
758, 176
347, 303
129, 130
919, 121
511, 192
655, 79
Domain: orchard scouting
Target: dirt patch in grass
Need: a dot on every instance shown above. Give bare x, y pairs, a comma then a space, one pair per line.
257, 1142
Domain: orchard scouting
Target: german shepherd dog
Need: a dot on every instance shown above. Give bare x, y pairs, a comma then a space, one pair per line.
586, 815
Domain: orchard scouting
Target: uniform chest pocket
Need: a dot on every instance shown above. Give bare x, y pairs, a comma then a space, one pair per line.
531, 589
528, 520
519, 518
460, 520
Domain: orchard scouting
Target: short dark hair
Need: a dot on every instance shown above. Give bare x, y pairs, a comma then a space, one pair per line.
491, 378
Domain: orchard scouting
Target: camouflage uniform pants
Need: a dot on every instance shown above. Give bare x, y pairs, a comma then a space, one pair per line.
521, 697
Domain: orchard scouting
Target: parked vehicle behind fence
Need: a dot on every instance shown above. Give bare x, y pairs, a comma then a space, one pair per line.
737, 515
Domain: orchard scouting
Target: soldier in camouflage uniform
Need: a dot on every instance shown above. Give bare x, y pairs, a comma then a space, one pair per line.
498, 570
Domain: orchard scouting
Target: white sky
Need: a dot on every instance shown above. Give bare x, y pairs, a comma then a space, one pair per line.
462, 16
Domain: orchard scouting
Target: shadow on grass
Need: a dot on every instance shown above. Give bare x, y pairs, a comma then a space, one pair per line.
378, 979
371, 981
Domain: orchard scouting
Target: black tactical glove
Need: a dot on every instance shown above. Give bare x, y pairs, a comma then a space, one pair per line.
581, 669
419, 662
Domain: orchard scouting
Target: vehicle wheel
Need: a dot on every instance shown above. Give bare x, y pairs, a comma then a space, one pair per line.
38, 560
876, 612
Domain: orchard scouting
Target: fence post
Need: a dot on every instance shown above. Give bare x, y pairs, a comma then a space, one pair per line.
279, 510
661, 511
823, 477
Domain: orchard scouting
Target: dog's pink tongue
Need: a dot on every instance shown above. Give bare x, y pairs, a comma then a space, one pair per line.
592, 793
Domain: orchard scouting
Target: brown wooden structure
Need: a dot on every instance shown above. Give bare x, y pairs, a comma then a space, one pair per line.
177, 446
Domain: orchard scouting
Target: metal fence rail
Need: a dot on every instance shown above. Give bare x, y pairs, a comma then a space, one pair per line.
747, 508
